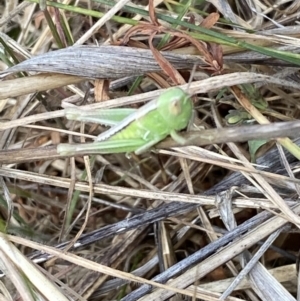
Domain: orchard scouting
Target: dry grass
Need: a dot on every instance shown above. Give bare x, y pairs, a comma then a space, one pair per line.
193, 222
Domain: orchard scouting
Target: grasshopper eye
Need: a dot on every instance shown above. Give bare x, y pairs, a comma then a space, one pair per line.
175, 107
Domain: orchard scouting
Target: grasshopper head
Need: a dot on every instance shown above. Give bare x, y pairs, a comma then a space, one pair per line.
176, 107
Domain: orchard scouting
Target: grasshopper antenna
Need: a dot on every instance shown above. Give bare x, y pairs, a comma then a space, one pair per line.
191, 123
191, 78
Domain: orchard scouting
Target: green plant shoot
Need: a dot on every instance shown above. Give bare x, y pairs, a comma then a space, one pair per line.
134, 130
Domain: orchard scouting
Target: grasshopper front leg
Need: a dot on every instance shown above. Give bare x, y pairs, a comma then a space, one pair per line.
176, 137
179, 139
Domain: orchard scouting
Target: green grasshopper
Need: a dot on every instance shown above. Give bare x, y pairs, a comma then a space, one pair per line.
134, 130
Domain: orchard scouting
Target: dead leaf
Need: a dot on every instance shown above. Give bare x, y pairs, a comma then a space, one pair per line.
210, 20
